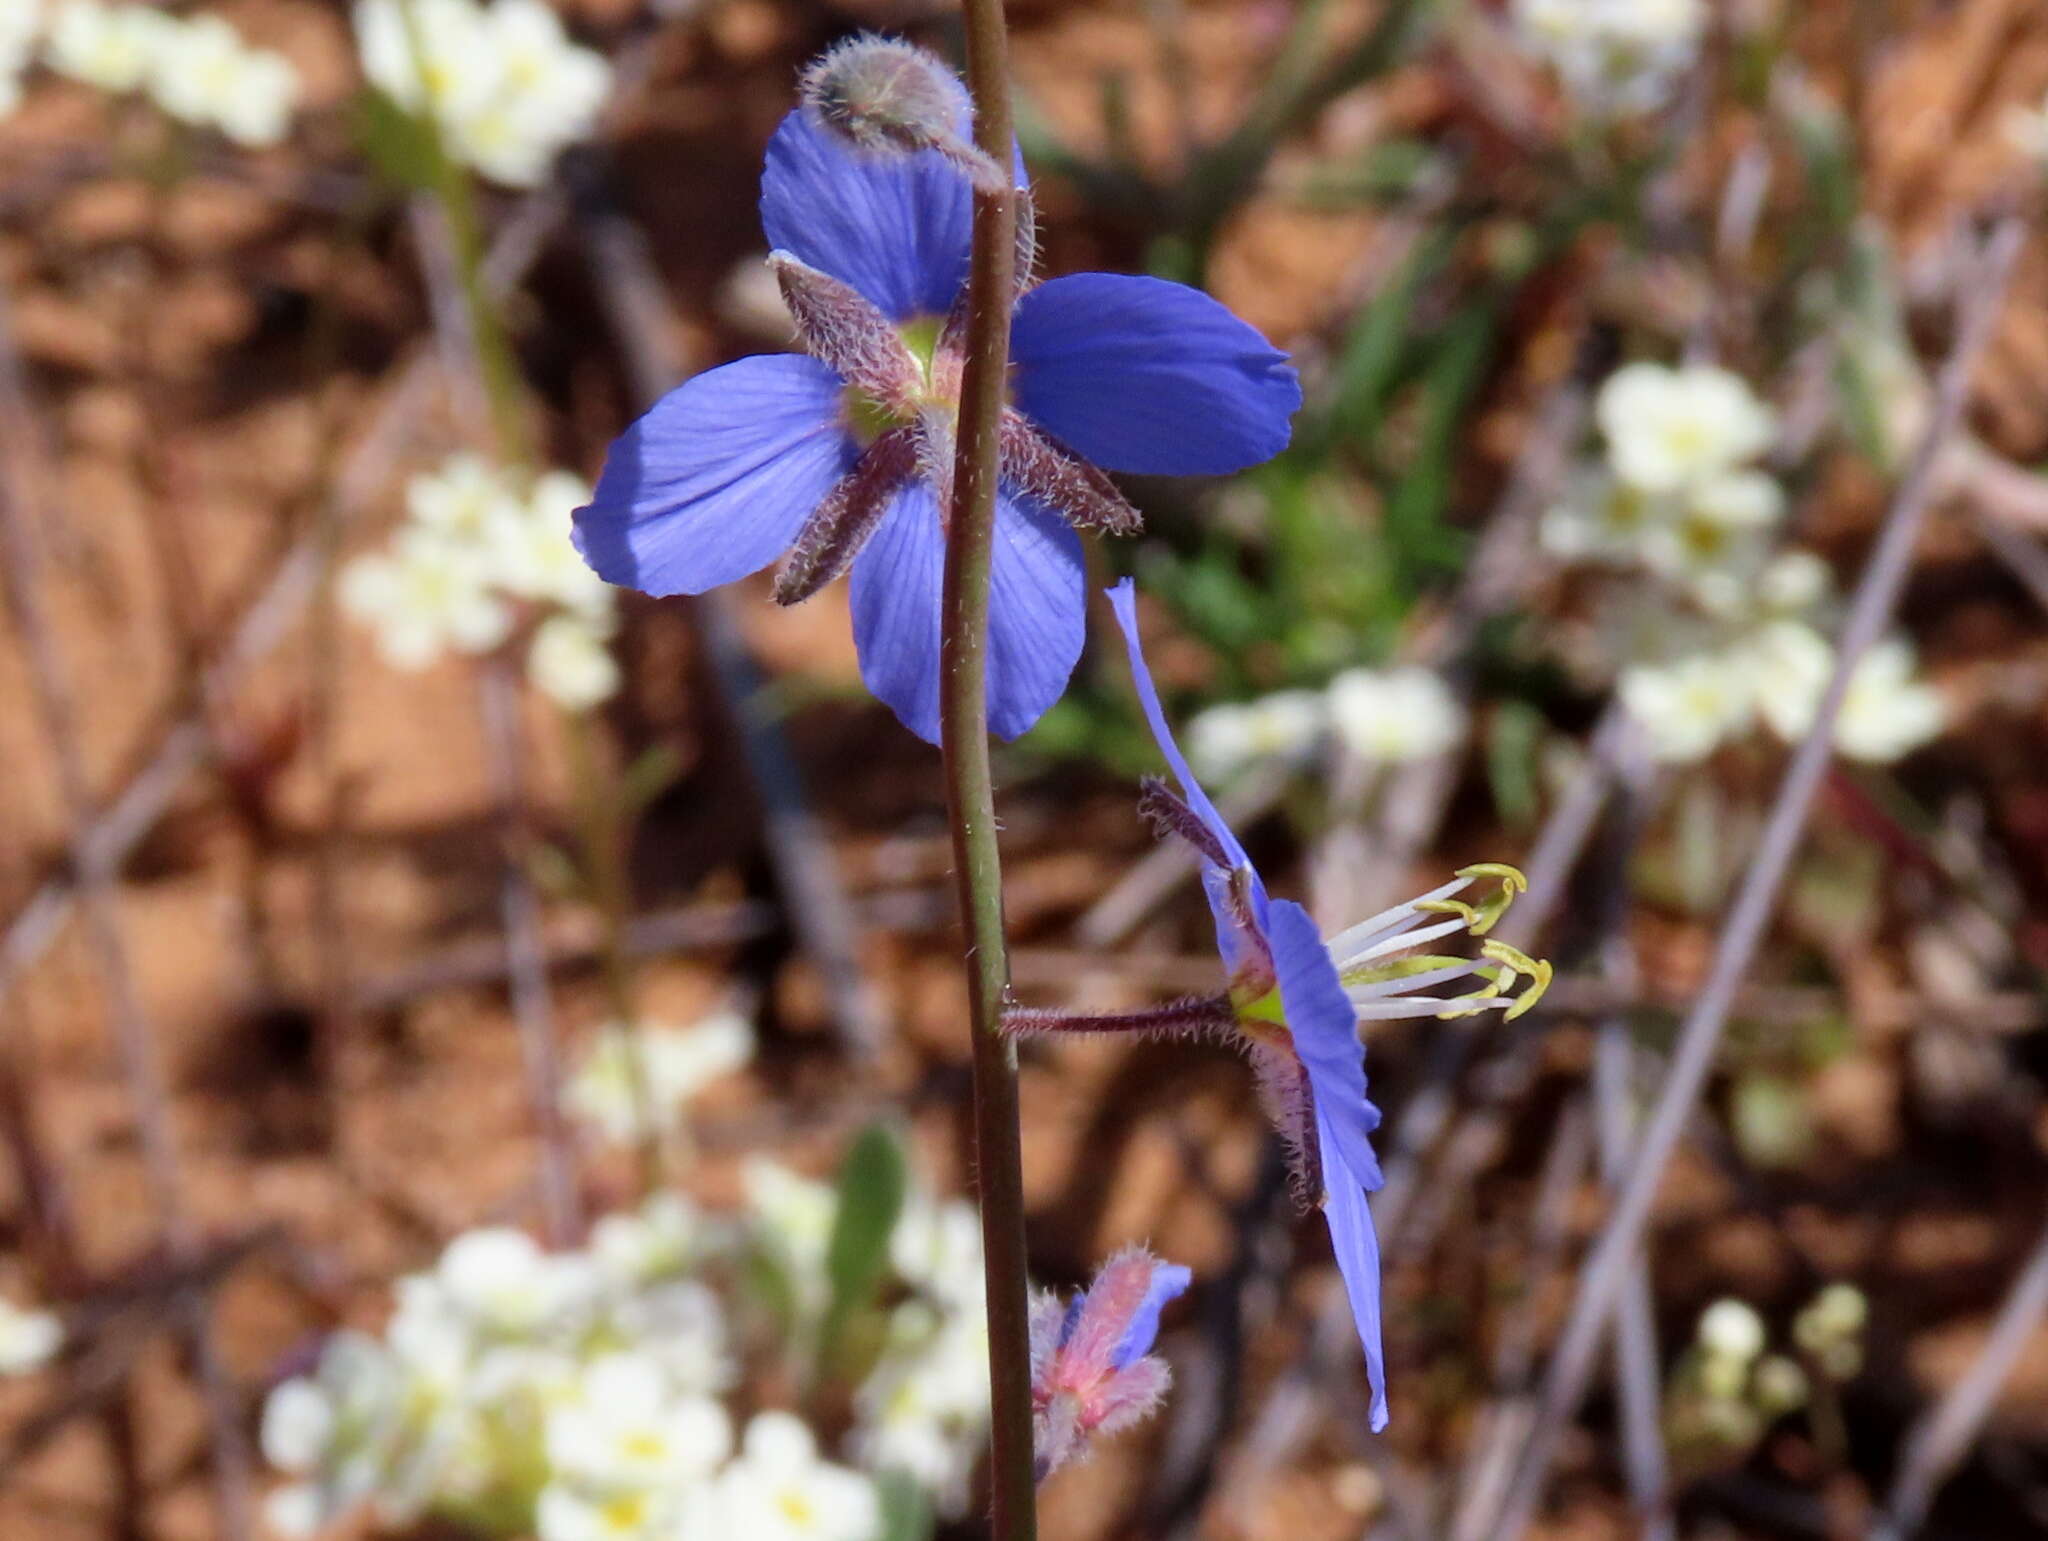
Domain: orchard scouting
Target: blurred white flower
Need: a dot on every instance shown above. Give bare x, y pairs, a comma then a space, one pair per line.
1779, 1386
1284, 725
335, 1429
202, 73
1887, 713
1789, 667
20, 21
627, 1429
1688, 707
779, 1490
1614, 55
1394, 716
425, 597
28, 1339
937, 1247
1669, 429
567, 1513
792, 1220
504, 82
2027, 129
661, 1239
466, 499
108, 46
1600, 518
924, 1409
630, 1085
1794, 584
504, 1285
1731, 1329
680, 1326
571, 664
534, 557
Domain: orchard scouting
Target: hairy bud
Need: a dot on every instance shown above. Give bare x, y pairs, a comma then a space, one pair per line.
1092, 1367
889, 98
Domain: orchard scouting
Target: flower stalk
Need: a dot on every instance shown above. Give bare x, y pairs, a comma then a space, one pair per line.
970, 793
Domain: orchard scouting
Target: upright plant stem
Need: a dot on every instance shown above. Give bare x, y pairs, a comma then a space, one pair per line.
970, 792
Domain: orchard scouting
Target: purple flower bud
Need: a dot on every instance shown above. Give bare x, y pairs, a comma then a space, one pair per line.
1092, 1369
889, 98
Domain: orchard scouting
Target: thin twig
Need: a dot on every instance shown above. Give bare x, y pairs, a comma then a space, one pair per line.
519, 911
21, 579
106, 842
1699, 1037
1938, 1441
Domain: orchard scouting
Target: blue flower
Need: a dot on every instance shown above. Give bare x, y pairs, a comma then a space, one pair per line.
1293, 1003
843, 459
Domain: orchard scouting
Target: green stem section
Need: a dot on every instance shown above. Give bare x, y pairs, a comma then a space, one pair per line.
970, 790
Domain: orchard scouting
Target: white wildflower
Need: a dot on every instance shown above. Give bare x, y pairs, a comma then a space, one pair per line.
1614, 55
1669, 429
627, 1429
534, 557
1789, 667
1284, 725
2026, 128
502, 1283
1688, 707
108, 46
1887, 713
570, 663
1601, 518
28, 1339
202, 73
924, 1409
1731, 1329
1794, 583
567, 1513
504, 82
792, 1220
779, 1490
424, 597
1394, 716
630, 1085
661, 1239
680, 1326
937, 1248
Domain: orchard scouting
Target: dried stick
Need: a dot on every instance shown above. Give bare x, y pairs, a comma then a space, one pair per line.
1937, 1442
806, 870
1607, 1268
134, 1035
519, 911
1504, 1423
104, 844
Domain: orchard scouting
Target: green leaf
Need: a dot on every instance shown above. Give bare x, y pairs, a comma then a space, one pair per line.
906, 1516
1514, 737
401, 144
871, 1185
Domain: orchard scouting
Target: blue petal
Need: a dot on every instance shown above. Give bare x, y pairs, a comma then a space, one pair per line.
1325, 1032
714, 481
1324, 1026
898, 230
1142, 375
1169, 1282
1123, 600
1349, 1218
1037, 613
